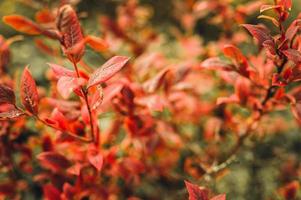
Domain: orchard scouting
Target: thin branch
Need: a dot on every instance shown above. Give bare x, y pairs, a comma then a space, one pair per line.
85, 94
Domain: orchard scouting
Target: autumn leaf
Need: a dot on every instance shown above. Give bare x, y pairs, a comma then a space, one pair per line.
96, 98
69, 27
60, 71
216, 63
44, 16
96, 43
107, 70
11, 114
154, 83
195, 193
29, 93
293, 55
22, 24
51, 192
258, 32
53, 161
96, 160
7, 95
66, 85
234, 53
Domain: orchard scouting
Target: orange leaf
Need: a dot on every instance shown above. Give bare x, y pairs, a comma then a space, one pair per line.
22, 24
96, 43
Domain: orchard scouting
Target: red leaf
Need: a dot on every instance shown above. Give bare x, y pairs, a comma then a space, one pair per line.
290, 190
58, 120
233, 52
293, 55
66, 85
96, 160
22, 24
51, 192
107, 70
287, 4
293, 29
153, 102
242, 89
7, 95
219, 197
96, 43
53, 161
60, 71
11, 114
29, 93
70, 29
75, 169
195, 193
44, 16
258, 32
216, 63
154, 83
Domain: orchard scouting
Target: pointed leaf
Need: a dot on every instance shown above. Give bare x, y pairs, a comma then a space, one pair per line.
29, 93
60, 71
107, 70
96, 160
195, 193
258, 32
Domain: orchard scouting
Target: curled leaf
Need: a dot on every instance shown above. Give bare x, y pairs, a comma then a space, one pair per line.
272, 19
268, 7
